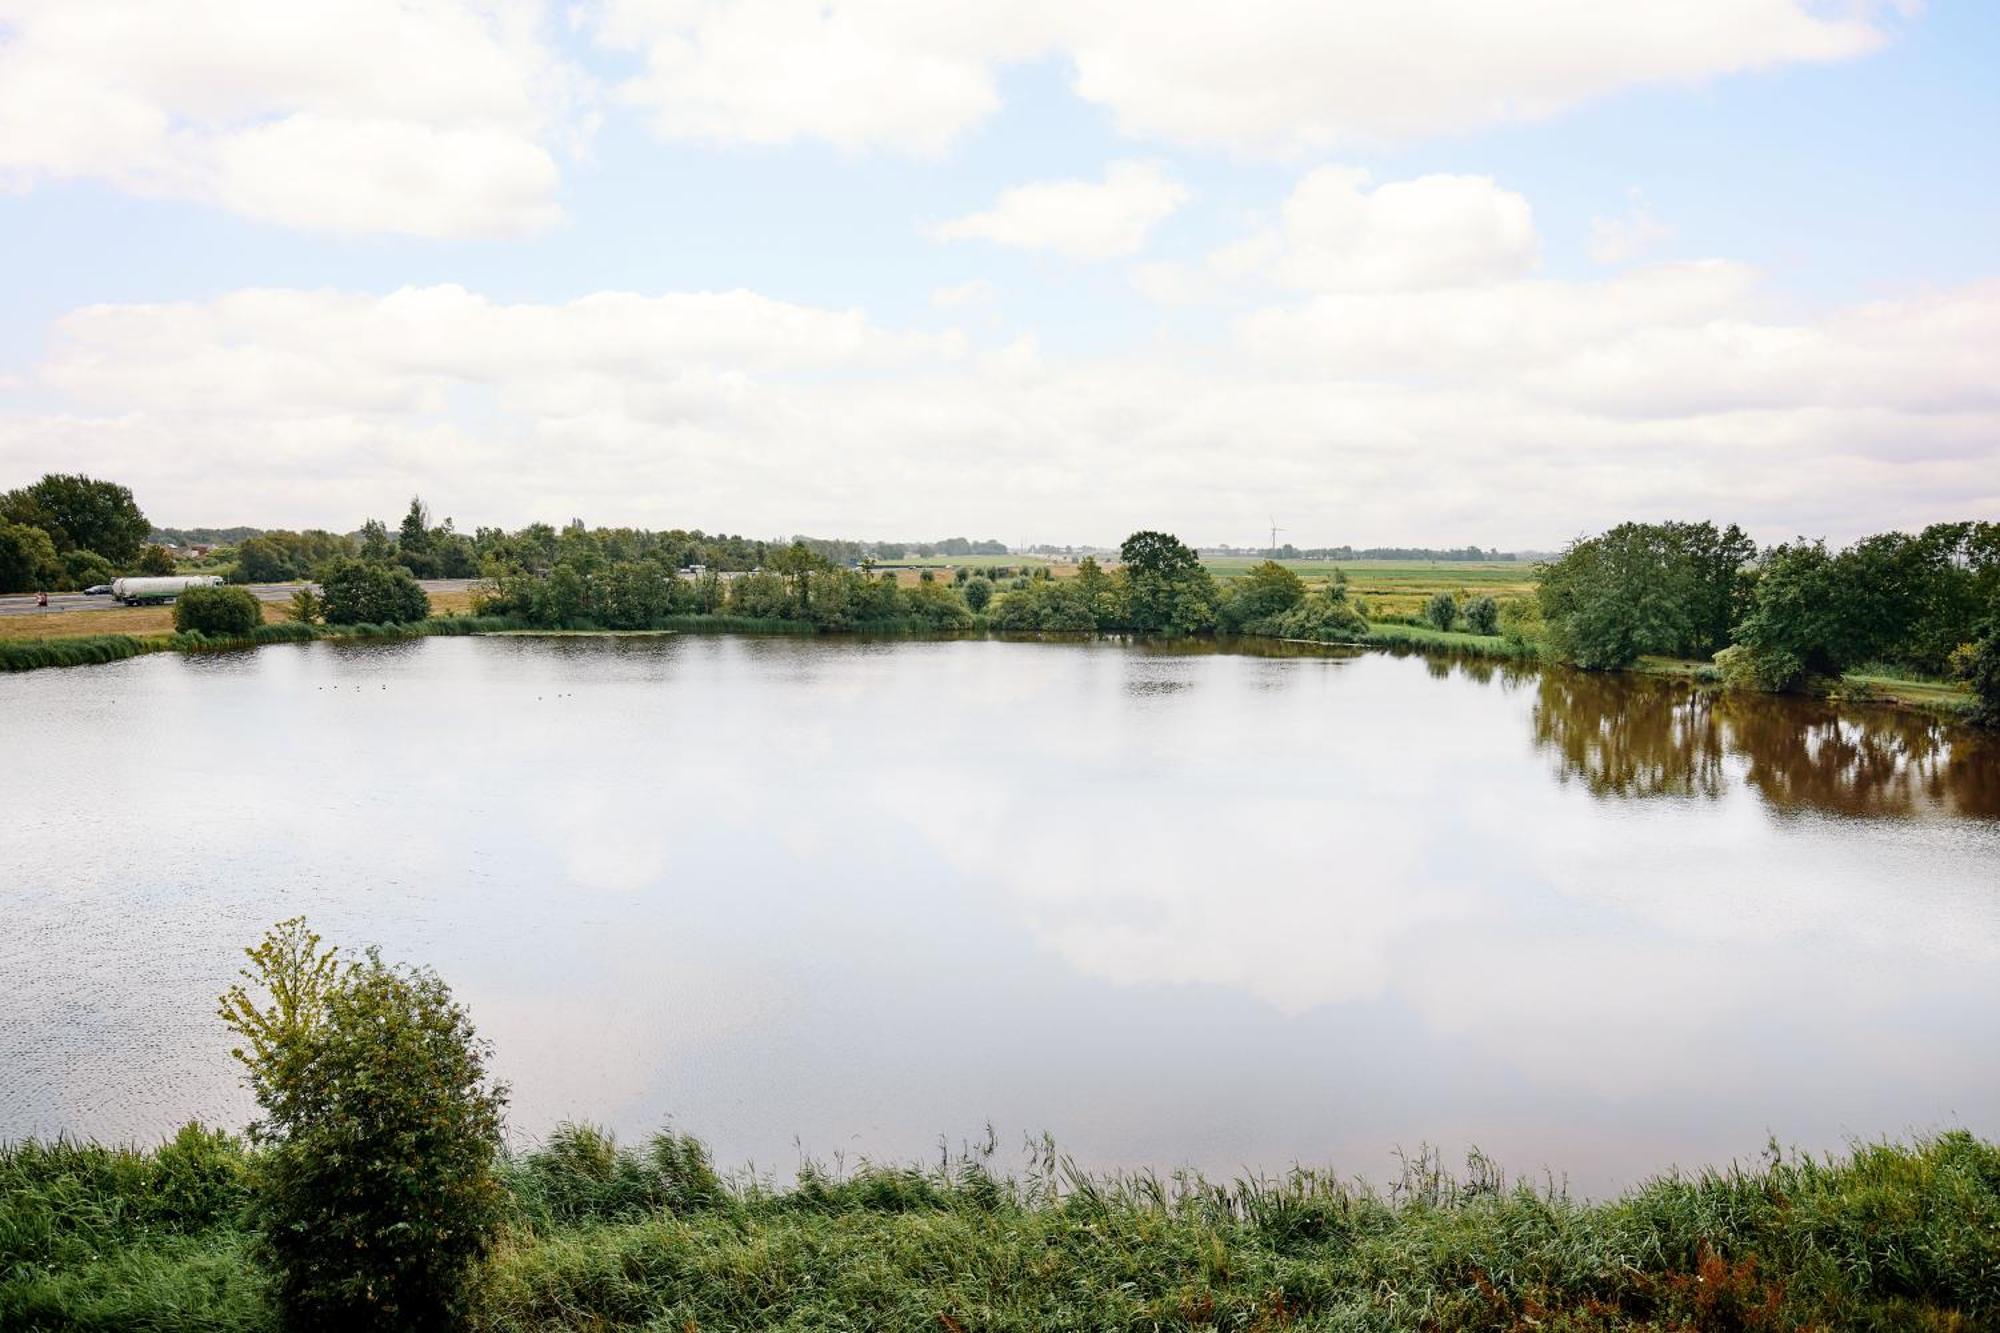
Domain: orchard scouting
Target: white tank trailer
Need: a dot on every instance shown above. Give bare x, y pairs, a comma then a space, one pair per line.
143, 592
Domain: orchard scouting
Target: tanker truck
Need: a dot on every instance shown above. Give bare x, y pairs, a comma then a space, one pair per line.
145, 592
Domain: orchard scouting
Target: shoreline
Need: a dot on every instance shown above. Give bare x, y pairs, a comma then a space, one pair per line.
1945, 702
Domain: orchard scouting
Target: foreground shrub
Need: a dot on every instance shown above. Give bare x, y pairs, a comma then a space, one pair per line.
224, 612
1482, 616
376, 1196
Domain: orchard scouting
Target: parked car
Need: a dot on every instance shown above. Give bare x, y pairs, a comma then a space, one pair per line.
98, 590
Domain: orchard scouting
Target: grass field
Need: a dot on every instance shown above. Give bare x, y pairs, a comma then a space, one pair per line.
1398, 589
1883, 1239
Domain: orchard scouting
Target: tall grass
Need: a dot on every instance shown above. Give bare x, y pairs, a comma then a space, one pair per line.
83, 650
1881, 1238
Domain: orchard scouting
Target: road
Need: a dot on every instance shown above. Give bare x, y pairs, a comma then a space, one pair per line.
23, 604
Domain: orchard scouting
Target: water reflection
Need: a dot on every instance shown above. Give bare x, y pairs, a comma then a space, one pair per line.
1175, 903
1633, 737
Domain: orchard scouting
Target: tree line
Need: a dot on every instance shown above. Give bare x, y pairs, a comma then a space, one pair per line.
69, 531
1786, 618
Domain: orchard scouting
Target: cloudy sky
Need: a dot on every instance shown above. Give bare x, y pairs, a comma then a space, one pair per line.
1387, 271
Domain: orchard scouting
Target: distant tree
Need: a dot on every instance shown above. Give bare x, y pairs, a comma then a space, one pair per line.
225, 611
156, 561
305, 607
796, 564
978, 592
1441, 610
377, 1194
1482, 615
84, 569
358, 592
28, 560
1268, 590
80, 513
415, 534
1167, 590
375, 543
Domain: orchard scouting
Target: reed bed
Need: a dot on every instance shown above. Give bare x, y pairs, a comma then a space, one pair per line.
1883, 1237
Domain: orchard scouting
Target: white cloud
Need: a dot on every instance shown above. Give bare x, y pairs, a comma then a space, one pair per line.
1082, 219
425, 117
1515, 412
1267, 75
1617, 240
977, 291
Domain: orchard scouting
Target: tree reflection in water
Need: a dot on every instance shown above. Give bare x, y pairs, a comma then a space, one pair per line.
1629, 736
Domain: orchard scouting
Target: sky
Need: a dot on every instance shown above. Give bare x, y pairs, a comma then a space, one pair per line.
1378, 272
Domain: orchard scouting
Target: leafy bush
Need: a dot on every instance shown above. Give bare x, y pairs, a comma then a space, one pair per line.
376, 1195
978, 592
1482, 616
156, 561
83, 569
1441, 611
1978, 664
305, 607
362, 592
28, 560
1326, 615
225, 612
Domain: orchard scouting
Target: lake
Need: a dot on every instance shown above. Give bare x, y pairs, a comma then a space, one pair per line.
1173, 905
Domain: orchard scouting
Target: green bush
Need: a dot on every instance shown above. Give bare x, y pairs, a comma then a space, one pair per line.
224, 612
376, 1196
362, 592
1979, 665
1482, 616
978, 592
1441, 611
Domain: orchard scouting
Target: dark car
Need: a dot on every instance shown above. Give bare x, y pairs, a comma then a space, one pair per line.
98, 590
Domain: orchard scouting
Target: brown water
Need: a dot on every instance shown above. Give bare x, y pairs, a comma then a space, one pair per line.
1173, 905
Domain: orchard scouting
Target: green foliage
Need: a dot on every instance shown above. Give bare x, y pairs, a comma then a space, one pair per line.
156, 561
1166, 589
305, 607
83, 569
280, 557
1441, 611
1326, 614
28, 560
81, 650
1251, 604
1044, 606
1482, 615
1521, 622
376, 1195
1881, 1239
978, 592
1978, 664
1672, 588
356, 592
224, 612
80, 513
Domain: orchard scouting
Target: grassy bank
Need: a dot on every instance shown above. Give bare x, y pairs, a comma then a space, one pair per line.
87, 650
1883, 1238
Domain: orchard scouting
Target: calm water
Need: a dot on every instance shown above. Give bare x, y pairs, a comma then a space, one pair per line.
1173, 906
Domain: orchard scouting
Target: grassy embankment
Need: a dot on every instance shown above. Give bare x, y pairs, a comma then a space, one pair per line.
1883, 1238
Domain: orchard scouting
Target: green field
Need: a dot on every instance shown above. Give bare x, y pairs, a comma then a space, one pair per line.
1398, 589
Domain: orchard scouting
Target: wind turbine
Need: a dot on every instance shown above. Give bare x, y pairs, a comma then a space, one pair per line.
1275, 530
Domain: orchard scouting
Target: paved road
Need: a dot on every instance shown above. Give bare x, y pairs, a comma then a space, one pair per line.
23, 604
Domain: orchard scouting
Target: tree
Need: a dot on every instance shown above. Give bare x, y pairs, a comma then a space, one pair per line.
28, 560
1441, 610
80, 513
1482, 615
1671, 588
1979, 666
305, 607
375, 543
356, 592
978, 592
232, 612
1809, 620
156, 561
796, 564
377, 1195
82, 569
1167, 590
1251, 603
